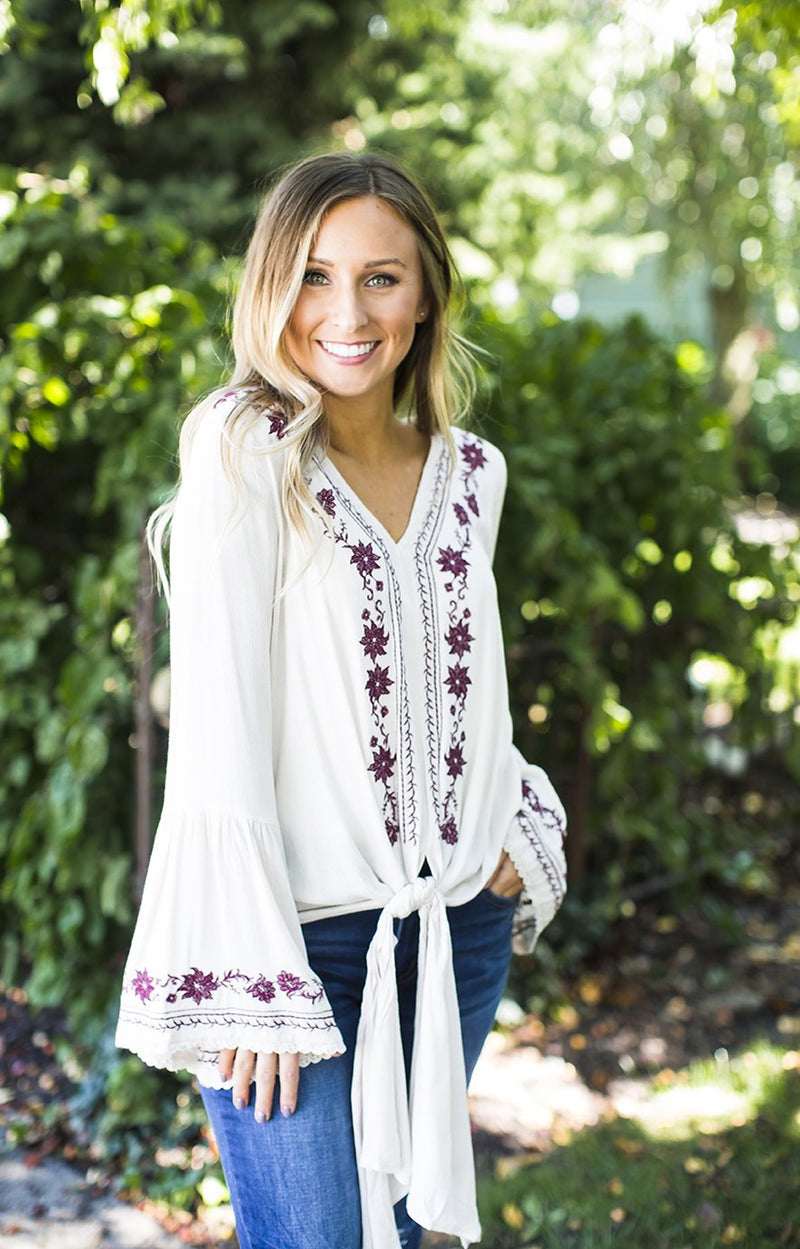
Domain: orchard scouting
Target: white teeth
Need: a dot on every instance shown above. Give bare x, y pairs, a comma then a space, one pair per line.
346, 350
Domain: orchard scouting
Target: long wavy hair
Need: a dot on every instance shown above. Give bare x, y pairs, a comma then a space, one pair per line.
433, 384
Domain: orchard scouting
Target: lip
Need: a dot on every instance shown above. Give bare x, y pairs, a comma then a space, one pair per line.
350, 360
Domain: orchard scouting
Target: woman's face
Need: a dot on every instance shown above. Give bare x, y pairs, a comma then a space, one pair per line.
362, 299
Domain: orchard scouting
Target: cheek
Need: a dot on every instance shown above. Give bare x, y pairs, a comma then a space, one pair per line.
294, 336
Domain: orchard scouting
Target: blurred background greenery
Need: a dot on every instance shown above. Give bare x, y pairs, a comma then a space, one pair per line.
620, 182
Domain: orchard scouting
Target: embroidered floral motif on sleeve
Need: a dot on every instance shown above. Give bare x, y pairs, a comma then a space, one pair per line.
454, 565
531, 810
203, 986
275, 415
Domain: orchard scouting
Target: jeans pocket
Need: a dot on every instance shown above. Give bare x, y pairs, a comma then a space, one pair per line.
504, 901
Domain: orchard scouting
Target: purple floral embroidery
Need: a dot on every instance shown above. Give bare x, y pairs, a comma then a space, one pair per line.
383, 767
454, 564
530, 819
449, 831
474, 454
203, 986
362, 554
275, 416
453, 561
455, 760
374, 640
327, 501
198, 986
459, 639
277, 422
290, 984
551, 819
262, 989
458, 679
142, 985
378, 683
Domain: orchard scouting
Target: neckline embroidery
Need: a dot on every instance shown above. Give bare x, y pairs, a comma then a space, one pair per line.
441, 567
419, 508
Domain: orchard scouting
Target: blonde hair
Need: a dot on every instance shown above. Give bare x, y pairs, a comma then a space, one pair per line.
434, 382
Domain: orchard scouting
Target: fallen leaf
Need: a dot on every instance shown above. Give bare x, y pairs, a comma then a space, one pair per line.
513, 1216
590, 990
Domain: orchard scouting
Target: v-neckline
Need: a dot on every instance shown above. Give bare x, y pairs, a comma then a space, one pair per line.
367, 515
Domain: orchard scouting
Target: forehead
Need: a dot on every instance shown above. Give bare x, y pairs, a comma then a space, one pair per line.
365, 225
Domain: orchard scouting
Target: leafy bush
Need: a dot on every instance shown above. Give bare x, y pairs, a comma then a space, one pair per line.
637, 619
105, 326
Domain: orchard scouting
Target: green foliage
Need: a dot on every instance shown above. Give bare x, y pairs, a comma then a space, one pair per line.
621, 575
108, 324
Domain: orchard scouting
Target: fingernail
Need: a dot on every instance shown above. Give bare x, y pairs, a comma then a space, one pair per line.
238, 1103
287, 1112
260, 1116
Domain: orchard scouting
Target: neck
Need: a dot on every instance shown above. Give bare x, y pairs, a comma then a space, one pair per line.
361, 429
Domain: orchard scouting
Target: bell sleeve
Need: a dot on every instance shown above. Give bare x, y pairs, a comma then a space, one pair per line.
217, 959
535, 845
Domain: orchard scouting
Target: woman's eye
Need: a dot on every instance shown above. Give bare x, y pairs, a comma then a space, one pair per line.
314, 277
382, 279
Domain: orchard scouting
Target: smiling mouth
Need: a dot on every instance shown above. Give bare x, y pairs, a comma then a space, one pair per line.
348, 351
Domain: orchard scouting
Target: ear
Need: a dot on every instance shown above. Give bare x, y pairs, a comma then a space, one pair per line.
422, 312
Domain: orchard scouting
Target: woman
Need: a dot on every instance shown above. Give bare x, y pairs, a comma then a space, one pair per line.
348, 834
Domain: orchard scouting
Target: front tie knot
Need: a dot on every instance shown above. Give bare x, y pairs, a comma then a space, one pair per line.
418, 1143
412, 897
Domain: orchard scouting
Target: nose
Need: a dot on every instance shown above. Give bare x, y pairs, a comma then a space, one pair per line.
347, 311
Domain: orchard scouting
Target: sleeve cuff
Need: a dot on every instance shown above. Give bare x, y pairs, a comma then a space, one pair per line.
535, 845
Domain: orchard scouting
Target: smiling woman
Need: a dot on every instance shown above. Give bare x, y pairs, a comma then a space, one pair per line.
356, 316
349, 838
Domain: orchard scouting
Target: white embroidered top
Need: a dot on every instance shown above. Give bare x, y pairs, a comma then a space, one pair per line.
324, 741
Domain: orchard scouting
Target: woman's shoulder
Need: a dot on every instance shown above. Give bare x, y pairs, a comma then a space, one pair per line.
254, 412
233, 422
232, 443
479, 457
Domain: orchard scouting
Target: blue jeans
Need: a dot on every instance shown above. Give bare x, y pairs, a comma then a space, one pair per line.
294, 1182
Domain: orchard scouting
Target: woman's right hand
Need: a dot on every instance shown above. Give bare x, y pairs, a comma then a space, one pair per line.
240, 1064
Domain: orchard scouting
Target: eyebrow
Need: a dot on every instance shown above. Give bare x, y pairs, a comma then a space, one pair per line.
371, 264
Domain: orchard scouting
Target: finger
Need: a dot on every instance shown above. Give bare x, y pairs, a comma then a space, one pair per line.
225, 1063
289, 1066
243, 1065
266, 1071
